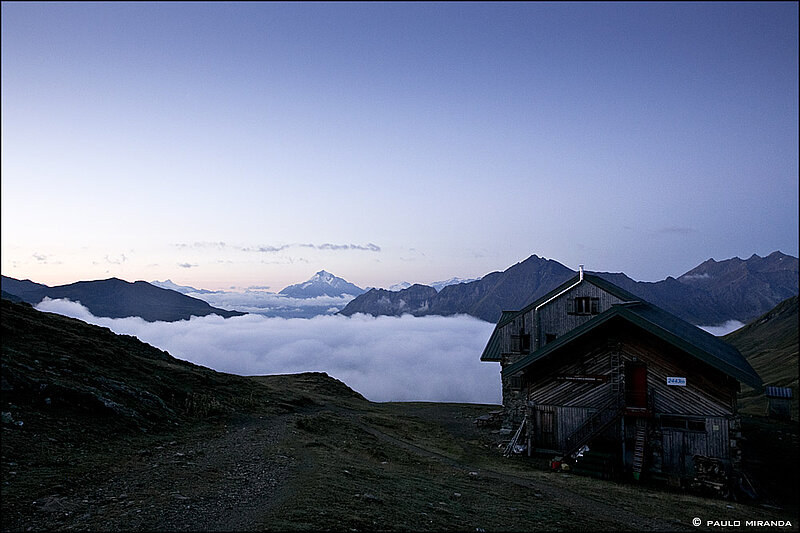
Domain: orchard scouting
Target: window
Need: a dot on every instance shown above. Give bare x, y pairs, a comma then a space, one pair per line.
516, 381
585, 305
520, 343
549, 337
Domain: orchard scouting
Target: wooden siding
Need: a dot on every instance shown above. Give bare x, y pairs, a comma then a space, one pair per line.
708, 392
552, 424
545, 387
554, 318
680, 446
708, 397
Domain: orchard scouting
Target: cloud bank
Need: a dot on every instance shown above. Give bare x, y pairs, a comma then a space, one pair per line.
406, 358
273, 304
723, 329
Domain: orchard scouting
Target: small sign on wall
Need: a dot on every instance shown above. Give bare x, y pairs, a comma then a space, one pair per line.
584, 378
678, 382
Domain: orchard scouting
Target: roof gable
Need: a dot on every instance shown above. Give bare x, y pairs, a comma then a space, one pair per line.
597, 281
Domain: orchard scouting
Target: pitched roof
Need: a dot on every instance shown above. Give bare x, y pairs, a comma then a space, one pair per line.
779, 392
493, 348
684, 336
609, 287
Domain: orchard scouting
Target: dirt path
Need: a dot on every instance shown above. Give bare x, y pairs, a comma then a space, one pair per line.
218, 482
231, 478
548, 491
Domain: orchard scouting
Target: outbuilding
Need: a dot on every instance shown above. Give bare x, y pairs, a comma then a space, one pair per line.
779, 402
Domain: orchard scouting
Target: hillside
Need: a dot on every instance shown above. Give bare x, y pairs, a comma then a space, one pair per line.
770, 344
710, 294
116, 298
104, 432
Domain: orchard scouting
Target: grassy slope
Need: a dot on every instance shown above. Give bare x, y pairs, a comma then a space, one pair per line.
770, 344
353, 464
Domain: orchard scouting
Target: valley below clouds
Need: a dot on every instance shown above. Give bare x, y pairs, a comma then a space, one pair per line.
431, 358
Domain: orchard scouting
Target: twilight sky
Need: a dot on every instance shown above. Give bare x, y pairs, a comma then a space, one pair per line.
223, 144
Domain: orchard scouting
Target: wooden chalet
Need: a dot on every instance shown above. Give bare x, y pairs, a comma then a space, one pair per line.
590, 364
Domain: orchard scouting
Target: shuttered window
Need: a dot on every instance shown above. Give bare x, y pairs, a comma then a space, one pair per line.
583, 305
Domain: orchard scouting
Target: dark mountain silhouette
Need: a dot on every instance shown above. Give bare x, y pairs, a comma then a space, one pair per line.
710, 294
18, 287
415, 300
689, 303
752, 286
514, 288
116, 298
484, 298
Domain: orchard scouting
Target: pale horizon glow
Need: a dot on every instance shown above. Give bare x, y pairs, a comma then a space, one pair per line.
253, 144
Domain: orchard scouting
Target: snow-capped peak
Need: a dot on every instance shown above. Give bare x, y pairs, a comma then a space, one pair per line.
322, 283
439, 285
323, 276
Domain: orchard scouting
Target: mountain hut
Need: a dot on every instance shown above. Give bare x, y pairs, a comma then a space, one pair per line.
592, 366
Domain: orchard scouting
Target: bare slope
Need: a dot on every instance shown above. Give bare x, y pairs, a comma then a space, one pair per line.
770, 344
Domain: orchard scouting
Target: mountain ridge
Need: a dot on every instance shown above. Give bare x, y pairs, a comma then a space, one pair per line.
117, 298
712, 293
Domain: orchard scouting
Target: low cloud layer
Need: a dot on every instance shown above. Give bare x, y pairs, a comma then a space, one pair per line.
724, 329
272, 304
405, 358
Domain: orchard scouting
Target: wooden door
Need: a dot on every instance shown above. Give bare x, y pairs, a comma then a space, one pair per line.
636, 385
547, 429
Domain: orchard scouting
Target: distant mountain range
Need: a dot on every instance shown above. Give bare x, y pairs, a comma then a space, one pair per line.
183, 289
116, 298
711, 293
438, 285
322, 284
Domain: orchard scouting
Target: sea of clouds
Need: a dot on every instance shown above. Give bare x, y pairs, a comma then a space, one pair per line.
406, 358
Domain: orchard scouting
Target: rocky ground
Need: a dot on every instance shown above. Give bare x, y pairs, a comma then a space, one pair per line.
327, 466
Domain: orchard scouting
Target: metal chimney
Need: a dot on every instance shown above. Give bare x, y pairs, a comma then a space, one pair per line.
580, 272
